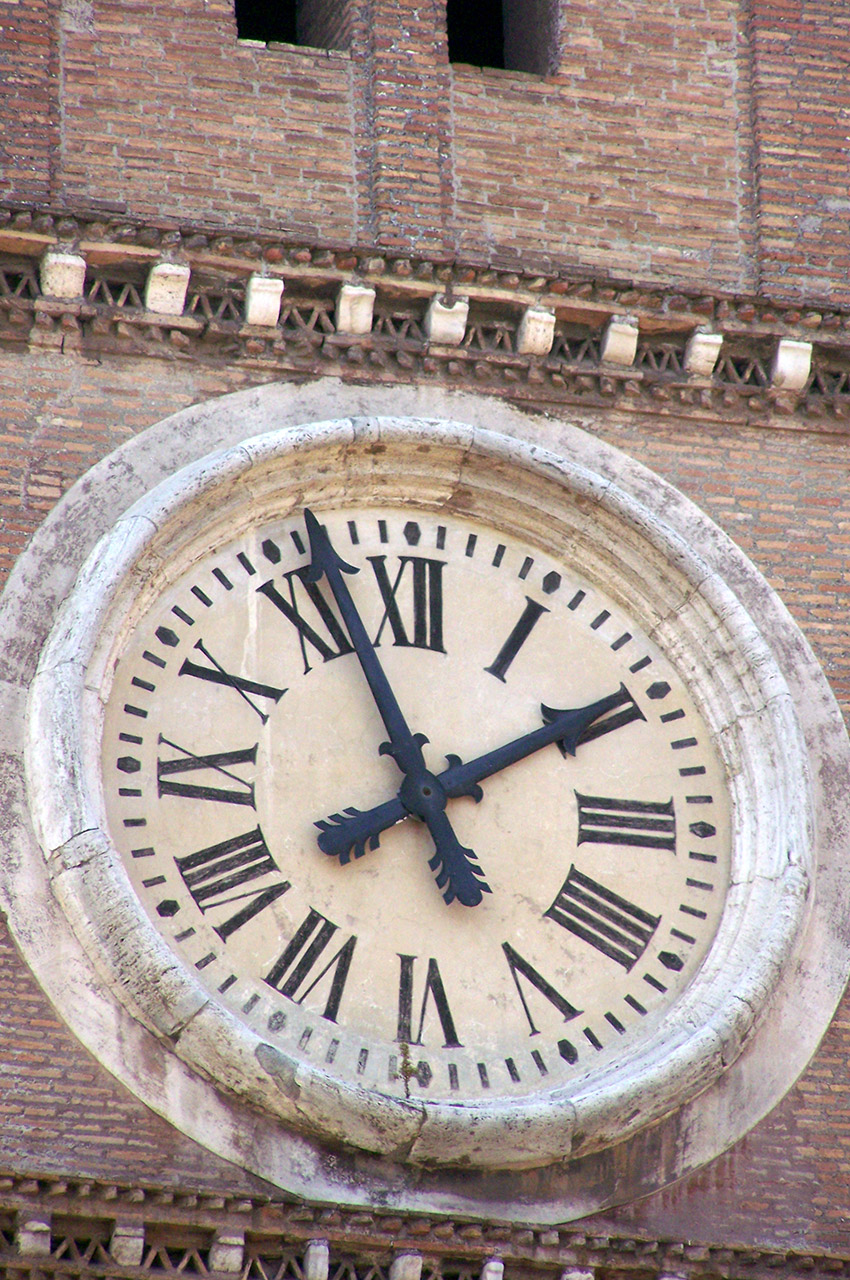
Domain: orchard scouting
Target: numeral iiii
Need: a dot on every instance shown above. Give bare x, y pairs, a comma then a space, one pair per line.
611, 924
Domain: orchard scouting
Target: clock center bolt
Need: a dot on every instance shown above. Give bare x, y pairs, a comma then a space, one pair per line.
422, 795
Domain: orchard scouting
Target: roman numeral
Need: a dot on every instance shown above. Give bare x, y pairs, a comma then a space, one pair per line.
614, 719
434, 990
332, 642
521, 967
211, 875
611, 924
292, 974
425, 613
517, 638
216, 674
218, 763
638, 823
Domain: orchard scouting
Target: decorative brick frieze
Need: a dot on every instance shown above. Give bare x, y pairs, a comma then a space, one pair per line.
90, 1228
399, 319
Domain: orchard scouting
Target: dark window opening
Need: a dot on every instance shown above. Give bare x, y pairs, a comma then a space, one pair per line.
476, 33
321, 24
266, 20
511, 35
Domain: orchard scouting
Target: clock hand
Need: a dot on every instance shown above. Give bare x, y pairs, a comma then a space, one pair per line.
421, 795
345, 834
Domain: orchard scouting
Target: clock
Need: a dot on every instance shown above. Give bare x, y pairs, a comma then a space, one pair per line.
482, 915
429, 797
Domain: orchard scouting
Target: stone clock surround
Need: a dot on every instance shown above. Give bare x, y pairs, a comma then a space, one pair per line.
774, 1054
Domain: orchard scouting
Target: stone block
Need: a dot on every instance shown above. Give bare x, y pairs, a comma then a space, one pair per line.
701, 353
33, 1236
445, 322
62, 275
536, 332
165, 291
354, 306
407, 1266
227, 1253
316, 1262
792, 365
127, 1245
493, 1269
262, 300
619, 342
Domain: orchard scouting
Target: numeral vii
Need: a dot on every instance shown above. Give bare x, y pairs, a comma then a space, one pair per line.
299, 968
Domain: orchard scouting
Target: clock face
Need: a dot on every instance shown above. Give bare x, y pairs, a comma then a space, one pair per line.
425, 819
243, 730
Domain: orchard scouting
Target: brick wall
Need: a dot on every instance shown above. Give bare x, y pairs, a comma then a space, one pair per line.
633, 157
802, 70
644, 156
168, 118
28, 97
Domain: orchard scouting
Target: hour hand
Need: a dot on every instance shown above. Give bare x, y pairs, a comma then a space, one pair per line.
350, 833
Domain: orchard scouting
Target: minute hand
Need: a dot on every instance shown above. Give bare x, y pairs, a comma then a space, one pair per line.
456, 867
406, 747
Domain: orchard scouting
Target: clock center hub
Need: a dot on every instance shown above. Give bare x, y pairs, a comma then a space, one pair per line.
422, 795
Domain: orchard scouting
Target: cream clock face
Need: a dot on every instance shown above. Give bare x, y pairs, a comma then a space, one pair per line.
487, 910
424, 819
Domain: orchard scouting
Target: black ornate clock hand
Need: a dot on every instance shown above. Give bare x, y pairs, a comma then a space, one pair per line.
350, 832
420, 795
